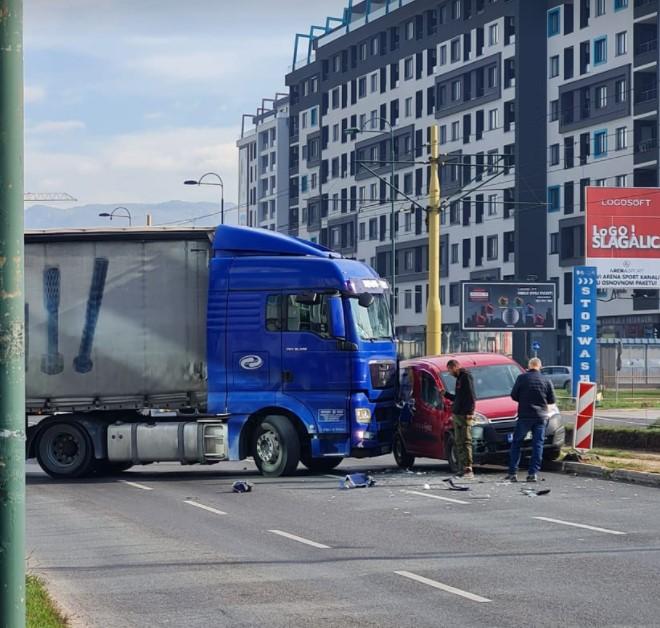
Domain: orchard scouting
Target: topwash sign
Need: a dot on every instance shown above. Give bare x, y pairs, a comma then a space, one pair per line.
623, 236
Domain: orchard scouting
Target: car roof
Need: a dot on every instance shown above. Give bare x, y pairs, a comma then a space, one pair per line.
439, 362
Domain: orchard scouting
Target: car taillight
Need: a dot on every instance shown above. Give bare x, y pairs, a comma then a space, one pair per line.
383, 374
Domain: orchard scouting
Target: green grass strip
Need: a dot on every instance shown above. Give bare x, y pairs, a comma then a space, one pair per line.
41, 612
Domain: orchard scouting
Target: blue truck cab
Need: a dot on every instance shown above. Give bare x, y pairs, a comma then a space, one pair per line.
300, 350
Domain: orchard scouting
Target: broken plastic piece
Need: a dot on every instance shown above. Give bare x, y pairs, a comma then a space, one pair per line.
241, 487
357, 480
456, 487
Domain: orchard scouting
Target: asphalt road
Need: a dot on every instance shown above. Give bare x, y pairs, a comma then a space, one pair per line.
171, 546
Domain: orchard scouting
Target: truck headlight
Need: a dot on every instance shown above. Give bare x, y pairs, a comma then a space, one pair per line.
363, 415
479, 419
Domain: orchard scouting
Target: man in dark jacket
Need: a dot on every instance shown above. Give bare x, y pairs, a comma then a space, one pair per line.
463, 410
534, 393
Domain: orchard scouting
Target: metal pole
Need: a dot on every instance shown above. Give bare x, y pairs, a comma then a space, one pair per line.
433, 309
12, 320
222, 204
392, 242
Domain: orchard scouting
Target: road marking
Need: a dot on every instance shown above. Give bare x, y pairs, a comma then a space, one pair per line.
300, 539
136, 485
215, 511
580, 525
432, 496
333, 477
442, 587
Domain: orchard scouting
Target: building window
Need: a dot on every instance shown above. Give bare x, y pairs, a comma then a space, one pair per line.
375, 46
335, 132
493, 119
455, 50
456, 10
600, 7
362, 87
455, 130
621, 91
553, 198
600, 183
554, 66
373, 229
600, 50
622, 181
554, 110
600, 143
364, 51
493, 34
313, 117
409, 260
621, 138
303, 183
621, 43
336, 63
554, 243
418, 299
620, 4
491, 73
374, 82
454, 253
455, 90
491, 247
454, 293
443, 134
303, 120
554, 154
314, 180
601, 97
407, 299
443, 55
410, 30
554, 24
492, 204
408, 68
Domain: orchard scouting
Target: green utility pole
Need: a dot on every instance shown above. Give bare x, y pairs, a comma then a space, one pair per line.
12, 322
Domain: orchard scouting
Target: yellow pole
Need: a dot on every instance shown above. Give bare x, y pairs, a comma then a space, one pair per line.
433, 308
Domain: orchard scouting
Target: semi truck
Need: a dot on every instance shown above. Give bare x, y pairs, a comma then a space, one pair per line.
198, 345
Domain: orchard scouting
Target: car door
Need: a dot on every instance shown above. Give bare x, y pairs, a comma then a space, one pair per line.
429, 416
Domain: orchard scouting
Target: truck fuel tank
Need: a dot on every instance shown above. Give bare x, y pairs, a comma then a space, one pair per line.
192, 442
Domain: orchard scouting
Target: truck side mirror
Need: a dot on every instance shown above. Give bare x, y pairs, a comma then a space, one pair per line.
307, 298
336, 312
365, 299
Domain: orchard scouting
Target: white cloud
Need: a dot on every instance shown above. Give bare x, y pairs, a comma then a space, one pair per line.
57, 126
138, 167
194, 66
34, 93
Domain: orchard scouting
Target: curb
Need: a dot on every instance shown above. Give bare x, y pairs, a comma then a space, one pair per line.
617, 475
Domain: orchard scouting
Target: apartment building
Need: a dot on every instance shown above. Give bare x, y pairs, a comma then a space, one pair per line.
534, 100
263, 165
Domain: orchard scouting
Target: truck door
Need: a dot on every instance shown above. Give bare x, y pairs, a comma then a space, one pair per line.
254, 350
315, 369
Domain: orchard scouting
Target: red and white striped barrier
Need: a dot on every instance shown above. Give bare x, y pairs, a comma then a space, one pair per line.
583, 434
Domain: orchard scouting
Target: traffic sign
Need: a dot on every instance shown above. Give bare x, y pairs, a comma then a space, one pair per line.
583, 434
536, 346
584, 325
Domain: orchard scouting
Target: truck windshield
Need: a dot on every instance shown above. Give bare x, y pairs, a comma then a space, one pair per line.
494, 380
373, 322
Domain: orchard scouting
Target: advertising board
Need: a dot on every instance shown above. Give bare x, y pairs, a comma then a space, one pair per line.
507, 306
623, 236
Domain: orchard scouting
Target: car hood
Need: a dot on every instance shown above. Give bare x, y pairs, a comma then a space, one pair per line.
497, 408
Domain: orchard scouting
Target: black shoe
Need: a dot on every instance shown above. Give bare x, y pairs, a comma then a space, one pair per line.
532, 478
511, 477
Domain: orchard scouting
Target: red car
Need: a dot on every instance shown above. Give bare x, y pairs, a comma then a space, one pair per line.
425, 423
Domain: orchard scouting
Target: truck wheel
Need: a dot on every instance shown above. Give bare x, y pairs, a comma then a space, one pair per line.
402, 457
321, 465
276, 447
451, 455
64, 450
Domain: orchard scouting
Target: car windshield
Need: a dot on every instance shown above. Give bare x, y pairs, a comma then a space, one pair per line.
373, 322
494, 380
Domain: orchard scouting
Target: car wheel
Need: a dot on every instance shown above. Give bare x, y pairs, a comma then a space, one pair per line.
402, 457
276, 447
65, 450
451, 455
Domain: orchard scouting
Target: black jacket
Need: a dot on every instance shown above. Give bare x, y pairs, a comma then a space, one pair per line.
533, 392
464, 397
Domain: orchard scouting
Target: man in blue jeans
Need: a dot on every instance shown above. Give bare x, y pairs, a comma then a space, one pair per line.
534, 393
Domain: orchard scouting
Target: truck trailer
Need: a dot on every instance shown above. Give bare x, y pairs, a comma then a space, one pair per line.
201, 345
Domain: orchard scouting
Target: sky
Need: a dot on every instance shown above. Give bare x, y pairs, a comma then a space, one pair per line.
125, 99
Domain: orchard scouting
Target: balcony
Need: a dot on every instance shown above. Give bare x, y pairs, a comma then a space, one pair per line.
646, 52
645, 7
646, 150
646, 101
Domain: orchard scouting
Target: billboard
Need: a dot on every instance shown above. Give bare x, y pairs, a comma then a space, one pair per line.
623, 236
507, 306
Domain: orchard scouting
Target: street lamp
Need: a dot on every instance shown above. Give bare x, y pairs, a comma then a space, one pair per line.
361, 129
201, 181
112, 213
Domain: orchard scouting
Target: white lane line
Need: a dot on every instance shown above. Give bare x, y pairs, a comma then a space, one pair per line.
443, 587
432, 496
136, 485
300, 539
580, 525
215, 511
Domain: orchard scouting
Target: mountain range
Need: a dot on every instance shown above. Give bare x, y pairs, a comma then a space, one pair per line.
169, 212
